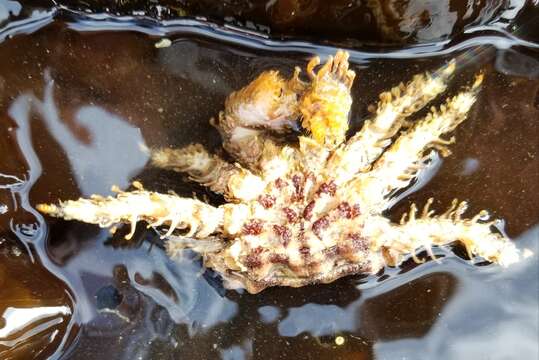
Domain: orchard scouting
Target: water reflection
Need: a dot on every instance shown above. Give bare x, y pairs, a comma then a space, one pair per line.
510, 334
9, 183
113, 153
9, 8
512, 63
319, 320
380, 21
428, 19
17, 319
243, 351
190, 62
269, 314
430, 289
31, 317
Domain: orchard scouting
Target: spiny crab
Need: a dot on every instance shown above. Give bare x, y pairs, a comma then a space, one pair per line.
309, 212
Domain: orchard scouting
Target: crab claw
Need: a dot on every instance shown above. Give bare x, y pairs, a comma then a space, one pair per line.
326, 104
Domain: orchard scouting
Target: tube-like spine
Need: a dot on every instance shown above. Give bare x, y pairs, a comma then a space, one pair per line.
426, 229
358, 153
398, 165
131, 207
222, 177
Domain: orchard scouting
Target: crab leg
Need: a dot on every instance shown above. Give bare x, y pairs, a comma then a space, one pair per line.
267, 104
156, 209
401, 162
210, 170
427, 230
362, 149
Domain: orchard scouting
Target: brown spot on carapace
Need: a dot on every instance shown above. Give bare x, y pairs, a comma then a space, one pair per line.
291, 215
331, 252
305, 251
280, 183
267, 201
253, 227
283, 232
308, 211
278, 259
299, 186
253, 260
320, 225
328, 188
347, 211
358, 242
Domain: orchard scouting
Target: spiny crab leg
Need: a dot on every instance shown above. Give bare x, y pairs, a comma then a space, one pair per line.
427, 230
210, 170
358, 153
399, 164
157, 209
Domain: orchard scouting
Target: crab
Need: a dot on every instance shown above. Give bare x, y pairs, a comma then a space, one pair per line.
309, 211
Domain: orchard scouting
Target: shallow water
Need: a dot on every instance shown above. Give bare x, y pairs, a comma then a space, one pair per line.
82, 95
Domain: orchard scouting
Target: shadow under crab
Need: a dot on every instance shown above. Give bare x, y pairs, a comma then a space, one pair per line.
309, 212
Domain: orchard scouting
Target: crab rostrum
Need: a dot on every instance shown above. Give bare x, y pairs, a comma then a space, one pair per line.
308, 212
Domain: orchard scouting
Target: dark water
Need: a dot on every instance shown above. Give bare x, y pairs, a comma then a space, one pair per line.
81, 95
343, 21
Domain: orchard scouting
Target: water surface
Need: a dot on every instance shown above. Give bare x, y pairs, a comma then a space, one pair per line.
81, 96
